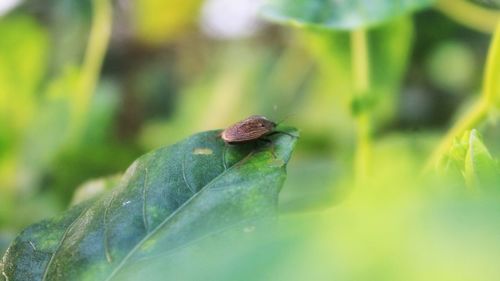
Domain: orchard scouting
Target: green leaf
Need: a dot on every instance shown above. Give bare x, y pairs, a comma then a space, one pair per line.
454, 159
166, 199
480, 167
340, 15
470, 157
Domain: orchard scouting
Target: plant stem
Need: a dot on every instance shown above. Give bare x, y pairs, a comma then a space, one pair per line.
469, 14
491, 82
479, 112
361, 83
90, 70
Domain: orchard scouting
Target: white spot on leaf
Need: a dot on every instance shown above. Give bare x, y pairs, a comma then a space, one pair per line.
202, 151
249, 229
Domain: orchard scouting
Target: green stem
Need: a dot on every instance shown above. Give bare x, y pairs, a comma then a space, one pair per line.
492, 75
479, 112
469, 14
90, 70
361, 83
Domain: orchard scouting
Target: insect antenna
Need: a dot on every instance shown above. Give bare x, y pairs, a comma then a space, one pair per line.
280, 122
285, 118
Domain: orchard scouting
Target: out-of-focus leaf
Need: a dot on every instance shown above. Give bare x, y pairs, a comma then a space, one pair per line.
75, 165
94, 188
480, 168
321, 175
495, 4
49, 132
23, 52
390, 230
166, 199
340, 15
102, 113
454, 160
470, 157
157, 21
23, 210
5, 238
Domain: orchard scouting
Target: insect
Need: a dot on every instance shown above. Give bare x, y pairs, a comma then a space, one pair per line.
249, 129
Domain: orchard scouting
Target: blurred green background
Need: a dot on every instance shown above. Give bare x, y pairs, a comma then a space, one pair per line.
74, 109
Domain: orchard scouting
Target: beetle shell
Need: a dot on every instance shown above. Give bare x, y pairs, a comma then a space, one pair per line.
249, 129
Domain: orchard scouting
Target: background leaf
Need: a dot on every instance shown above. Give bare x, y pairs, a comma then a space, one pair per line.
24, 47
469, 157
495, 4
340, 15
166, 199
480, 167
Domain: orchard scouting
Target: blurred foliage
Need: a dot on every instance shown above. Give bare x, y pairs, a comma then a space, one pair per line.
155, 27
94, 188
23, 60
411, 237
331, 50
452, 67
23, 47
470, 13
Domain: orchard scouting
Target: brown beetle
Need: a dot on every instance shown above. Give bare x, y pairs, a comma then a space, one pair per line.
250, 129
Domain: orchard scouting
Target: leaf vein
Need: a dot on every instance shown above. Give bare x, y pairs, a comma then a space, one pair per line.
168, 218
144, 201
109, 258
5, 275
184, 177
224, 160
51, 260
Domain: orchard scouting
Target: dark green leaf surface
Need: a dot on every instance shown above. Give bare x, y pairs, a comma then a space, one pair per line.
340, 15
166, 199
